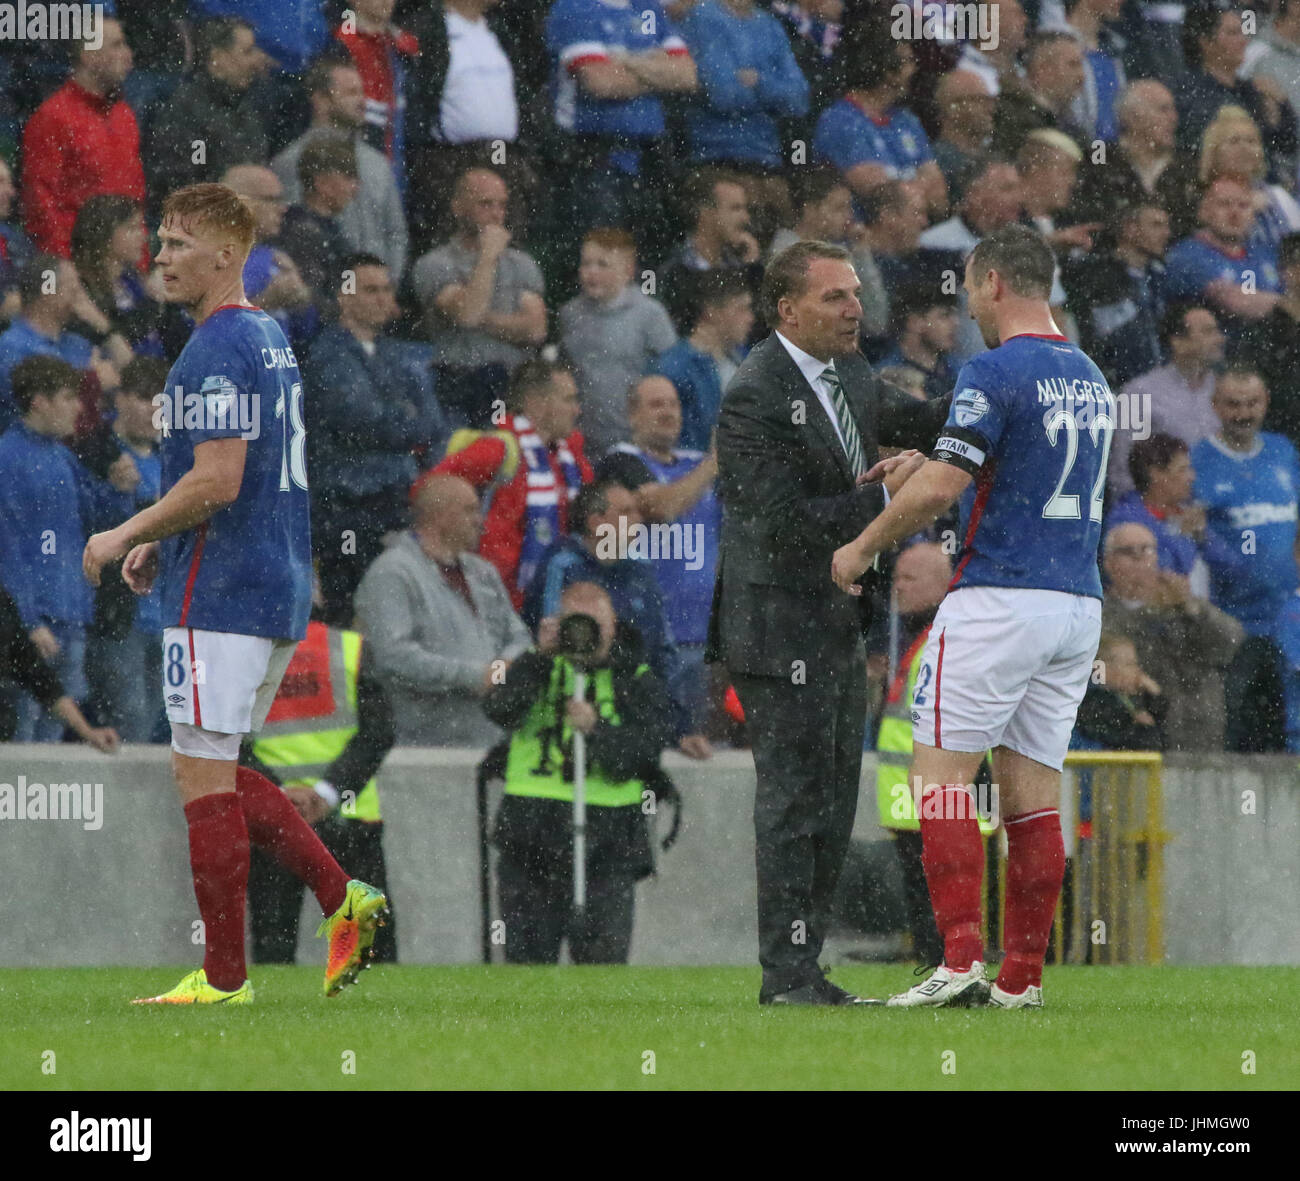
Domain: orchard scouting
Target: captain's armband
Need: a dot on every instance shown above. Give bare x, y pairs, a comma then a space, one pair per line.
962, 448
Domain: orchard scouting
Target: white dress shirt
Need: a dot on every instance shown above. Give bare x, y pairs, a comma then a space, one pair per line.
812, 369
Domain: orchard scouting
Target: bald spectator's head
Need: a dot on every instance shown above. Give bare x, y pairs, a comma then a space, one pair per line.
965, 107
102, 65
1129, 558
655, 415
1054, 69
479, 199
586, 598
993, 197
921, 577
261, 188
447, 516
338, 97
1147, 116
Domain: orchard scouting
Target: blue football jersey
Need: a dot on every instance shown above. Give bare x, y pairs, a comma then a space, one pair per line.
1252, 502
1032, 421
247, 568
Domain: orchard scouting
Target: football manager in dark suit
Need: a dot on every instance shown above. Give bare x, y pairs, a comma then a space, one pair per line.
797, 456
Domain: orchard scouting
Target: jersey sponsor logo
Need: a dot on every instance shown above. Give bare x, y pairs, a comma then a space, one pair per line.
219, 405
970, 406
1248, 516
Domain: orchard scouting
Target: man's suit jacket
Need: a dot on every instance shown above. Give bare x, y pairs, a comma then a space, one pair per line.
790, 502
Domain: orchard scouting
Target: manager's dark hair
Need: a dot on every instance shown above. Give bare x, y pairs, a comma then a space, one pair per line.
787, 273
1021, 256
1159, 451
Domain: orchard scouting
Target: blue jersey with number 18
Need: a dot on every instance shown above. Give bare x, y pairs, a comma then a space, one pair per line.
247, 568
1032, 421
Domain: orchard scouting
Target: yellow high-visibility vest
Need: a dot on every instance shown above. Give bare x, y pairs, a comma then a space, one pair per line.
314, 715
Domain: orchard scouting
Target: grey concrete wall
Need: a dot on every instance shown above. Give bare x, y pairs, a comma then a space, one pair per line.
121, 893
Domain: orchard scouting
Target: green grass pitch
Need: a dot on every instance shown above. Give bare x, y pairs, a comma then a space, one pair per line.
418, 1027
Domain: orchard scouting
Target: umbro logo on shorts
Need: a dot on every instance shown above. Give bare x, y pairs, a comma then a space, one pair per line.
175, 699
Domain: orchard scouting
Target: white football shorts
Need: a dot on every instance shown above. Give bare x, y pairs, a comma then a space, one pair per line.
1007, 667
219, 683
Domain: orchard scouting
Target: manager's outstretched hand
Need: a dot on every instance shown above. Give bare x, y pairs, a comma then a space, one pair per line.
894, 471
848, 564
851, 561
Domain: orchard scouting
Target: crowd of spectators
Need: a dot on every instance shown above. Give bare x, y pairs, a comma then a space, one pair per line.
516, 250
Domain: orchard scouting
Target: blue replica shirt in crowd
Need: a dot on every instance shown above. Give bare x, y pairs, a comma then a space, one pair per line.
581, 32
1032, 421
49, 506
727, 120
683, 553
1250, 530
247, 568
1286, 635
846, 135
1194, 263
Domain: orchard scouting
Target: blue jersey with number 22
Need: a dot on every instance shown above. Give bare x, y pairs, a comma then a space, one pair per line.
247, 568
1032, 421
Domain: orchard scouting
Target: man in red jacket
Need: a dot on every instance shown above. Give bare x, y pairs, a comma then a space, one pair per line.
534, 465
82, 141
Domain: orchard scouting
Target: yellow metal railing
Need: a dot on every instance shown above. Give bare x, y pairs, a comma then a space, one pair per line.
1112, 906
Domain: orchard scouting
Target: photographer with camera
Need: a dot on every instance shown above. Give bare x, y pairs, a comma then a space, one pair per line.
625, 718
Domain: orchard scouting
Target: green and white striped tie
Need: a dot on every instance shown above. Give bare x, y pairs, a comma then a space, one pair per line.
848, 428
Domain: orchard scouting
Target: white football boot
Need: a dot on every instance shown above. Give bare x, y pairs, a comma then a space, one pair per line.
1031, 998
946, 988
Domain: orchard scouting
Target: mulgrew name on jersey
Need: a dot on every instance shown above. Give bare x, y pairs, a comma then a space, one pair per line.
218, 405
1032, 421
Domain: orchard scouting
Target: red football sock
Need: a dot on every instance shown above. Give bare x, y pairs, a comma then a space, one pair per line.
219, 862
1035, 868
274, 825
952, 852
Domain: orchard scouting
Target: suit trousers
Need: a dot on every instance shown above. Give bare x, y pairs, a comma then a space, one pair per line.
807, 746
